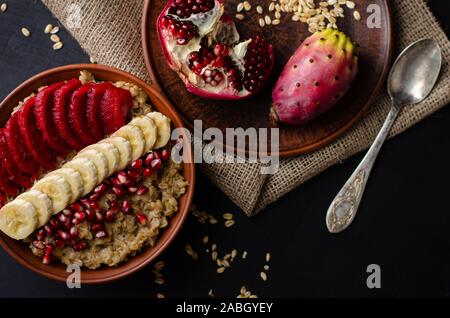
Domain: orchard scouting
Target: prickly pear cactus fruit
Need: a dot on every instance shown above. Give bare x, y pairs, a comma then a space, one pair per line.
315, 78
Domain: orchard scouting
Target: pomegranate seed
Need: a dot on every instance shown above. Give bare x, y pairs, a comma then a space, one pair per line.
116, 182
47, 259
95, 206
59, 243
100, 234
220, 49
141, 218
114, 206
126, 207
137, 165
142, 190
99, 217
73, 232
90, 215
133, 175
95, 197
132, 189
62, 218
55, 223
76, 221
49, 248
39, 244
156, 164
77, 206
149, 159
63, 235
96, 227
48, 229
122, 177
109, 216
80, 215
101, 188
147, 172
165, 154
70, 242
67, 224
118, 191
67, 212
85, 202
80, 246
40, 234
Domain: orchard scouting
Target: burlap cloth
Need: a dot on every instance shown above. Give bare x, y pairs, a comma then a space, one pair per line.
110, 32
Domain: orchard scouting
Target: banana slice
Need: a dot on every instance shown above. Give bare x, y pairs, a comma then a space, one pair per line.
57, 189
148, 128
73, 177
18, 219
100, 161
124, 148
111, 153
87, 170
135, 137
41, 202
163, 127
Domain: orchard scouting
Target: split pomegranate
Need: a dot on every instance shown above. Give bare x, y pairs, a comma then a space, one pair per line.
200, 42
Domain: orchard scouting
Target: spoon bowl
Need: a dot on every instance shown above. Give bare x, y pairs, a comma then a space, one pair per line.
415, 72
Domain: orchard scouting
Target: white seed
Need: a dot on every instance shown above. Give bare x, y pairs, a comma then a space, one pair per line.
277, 15
272, 6
244, 255
240, 16
295, 18
220, 270
275, 22
205, 239
268, 20
3, 7
266, 267
259, 9
55, 38
48, 28
357, 15
350, 4
159, 281
240, 7
261, 22
214, 256
159, 295
25, 32
229, 223
54, 30
233, 253
210, 293
267, 257
263, 276
227, 216
247, 6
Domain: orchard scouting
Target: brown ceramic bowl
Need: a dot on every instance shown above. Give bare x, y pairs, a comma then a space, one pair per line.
57, 271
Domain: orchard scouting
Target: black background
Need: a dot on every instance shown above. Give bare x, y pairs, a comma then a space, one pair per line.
403, 222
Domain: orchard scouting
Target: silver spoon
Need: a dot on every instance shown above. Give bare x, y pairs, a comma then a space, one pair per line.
411, 79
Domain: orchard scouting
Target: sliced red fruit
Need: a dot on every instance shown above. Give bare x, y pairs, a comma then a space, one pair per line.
114, 108
6, 185
33, 138
45, 122
77, 114
15, 174
94, 99
17, 147
61, 101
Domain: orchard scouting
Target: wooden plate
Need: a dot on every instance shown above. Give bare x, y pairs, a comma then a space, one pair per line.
20, 251
376, 49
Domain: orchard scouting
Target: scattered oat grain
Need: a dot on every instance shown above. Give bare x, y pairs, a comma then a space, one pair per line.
240, 7
259, 9
244, 255
48, 28
266, 267
211, 294
55, 38
220, 270
159, 281
263, 276
25, 32
3, 7
205, 239
229, 223
357, 15
54, 30
227, 216
247, 6
58, 46
239, 16
267, 257
159, 295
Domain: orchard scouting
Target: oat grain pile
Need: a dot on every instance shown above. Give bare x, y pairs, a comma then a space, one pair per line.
318, 15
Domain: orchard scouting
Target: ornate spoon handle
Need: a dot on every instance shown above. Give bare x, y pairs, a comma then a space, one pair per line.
343, 209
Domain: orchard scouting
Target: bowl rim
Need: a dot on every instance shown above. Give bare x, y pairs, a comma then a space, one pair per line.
188, 171
294, 150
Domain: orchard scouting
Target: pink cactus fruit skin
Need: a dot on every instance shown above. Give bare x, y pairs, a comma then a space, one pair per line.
315, 78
